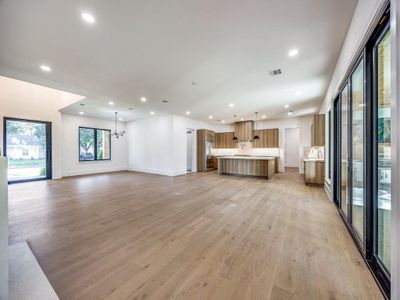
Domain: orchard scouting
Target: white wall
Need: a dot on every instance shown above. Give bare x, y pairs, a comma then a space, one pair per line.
3, 230
304, 123
158, 144
71, 165
24, 100
360, 27
292, 147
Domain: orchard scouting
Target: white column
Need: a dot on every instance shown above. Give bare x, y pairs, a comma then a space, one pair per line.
395, 68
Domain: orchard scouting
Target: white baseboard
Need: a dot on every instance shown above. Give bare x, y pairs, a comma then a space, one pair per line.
158, 172
98, 171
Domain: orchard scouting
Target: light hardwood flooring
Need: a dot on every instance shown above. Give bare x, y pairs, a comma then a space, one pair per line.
130, 235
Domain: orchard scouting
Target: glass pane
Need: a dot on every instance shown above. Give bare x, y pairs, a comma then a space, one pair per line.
384, 156
26, 150
103, 144
358, 106
344, 150
86, 144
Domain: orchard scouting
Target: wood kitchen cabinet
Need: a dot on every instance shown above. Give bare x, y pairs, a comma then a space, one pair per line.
314, 172
269, 138
318, 130
205, 142
224, 140
244, 130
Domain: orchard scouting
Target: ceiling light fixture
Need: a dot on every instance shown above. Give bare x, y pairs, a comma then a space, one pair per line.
110, 103
88, 18
298, 93
117, 133
81, 113
293, 52
231, 105
241, 119
210, 117
290, 113
188, 112
223, 121
152, 112
264, 116
143, 99
286, 106
120, 119
45, 68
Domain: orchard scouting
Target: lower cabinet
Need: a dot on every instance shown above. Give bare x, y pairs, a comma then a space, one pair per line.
314, 172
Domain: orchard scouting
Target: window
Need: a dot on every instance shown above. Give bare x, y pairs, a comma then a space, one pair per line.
94, 144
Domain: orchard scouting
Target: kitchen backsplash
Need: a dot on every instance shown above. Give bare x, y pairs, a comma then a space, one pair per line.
245, 148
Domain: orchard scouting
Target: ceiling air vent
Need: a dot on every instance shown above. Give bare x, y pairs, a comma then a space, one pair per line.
275, 72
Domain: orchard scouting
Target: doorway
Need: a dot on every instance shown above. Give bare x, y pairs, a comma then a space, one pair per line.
27, 145
292, 147
189, 147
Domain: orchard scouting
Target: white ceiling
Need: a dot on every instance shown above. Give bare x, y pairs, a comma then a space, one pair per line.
157, 49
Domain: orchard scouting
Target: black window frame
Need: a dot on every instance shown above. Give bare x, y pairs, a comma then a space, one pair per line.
367, 247
95, 130
49, 150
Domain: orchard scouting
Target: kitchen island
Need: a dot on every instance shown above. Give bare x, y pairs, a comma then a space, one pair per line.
263, 166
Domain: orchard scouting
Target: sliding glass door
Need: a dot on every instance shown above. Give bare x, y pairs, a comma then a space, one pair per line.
362, 145
344, 150
357, 149
27, 147
382, 141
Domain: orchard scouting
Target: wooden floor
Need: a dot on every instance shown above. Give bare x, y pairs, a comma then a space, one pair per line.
200, 236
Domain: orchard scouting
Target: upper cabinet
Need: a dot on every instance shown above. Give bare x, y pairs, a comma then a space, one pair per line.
318, 130
224, 140
269, 138
244, 130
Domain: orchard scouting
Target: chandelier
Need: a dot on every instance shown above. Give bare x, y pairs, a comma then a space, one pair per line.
117, 133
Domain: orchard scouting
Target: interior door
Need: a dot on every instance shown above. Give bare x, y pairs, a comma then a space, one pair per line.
27, 145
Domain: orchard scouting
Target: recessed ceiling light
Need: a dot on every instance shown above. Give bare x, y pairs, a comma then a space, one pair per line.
290, 113
286, 106
231, 105
241, 119
110, 103
120, 119
222, 121
298, 93
264, 116
152, 112
45, 68
81, 113
88, 18
293, 52
143, 99
188, 112
210, 117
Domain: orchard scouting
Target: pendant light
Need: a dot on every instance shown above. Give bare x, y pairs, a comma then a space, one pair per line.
256, 137
116, 133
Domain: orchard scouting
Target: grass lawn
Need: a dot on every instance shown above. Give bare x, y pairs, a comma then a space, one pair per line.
26, 163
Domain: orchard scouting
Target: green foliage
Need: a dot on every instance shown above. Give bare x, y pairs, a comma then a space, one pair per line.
43, 172
86, 138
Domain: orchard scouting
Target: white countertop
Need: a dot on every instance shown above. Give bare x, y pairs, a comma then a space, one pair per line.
313, 159
246, 157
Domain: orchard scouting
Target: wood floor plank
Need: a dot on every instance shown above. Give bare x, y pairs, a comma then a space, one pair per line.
130, 235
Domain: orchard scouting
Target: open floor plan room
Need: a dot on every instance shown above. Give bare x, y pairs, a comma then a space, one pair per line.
199, 149
140, 236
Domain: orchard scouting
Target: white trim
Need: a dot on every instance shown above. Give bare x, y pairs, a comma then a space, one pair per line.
92, 172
